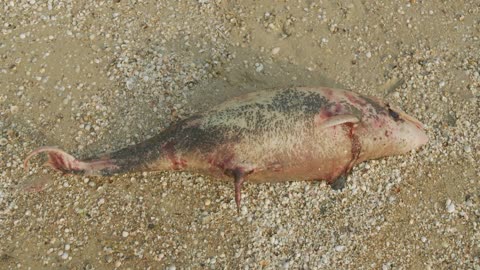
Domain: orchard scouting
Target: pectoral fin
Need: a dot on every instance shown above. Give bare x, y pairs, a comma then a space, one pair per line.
339, 183
326, 122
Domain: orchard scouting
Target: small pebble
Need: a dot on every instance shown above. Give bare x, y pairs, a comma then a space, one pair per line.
275, 50
450, 206
125, 234
13, 109
3, 141
101, 201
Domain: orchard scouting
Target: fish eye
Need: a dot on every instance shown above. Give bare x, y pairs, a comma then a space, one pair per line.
395, 116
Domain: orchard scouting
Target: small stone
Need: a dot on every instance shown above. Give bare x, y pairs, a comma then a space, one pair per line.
171, 267
275, 50
109, 258
130, 83
340, 248
13, 109
467, 149
3, 141
333, 28
368, 54
100, 202
64, 255
125, 234
67, 247
450, 206
207, 202
258, 67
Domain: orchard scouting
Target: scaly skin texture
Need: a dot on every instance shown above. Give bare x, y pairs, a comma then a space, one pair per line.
288, 134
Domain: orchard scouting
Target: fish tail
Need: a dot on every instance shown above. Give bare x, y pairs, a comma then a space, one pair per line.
63, 162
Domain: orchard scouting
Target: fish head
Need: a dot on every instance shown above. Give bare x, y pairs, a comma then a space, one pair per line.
409, 133
391, 131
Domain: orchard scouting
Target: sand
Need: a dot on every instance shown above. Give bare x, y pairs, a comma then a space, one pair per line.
95, 76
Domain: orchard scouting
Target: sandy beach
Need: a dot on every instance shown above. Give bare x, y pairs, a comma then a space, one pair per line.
96, 76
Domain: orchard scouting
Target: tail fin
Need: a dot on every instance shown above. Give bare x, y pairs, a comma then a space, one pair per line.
66, 163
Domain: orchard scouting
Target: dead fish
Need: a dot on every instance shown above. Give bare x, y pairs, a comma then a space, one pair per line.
295, 133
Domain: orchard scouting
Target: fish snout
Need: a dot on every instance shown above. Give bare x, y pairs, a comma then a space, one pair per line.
421, 138
416, 134
412, 120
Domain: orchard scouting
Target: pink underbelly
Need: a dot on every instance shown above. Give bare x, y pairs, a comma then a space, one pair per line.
327, 170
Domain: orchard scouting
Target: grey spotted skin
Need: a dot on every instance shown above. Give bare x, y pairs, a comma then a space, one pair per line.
267, 136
